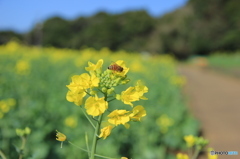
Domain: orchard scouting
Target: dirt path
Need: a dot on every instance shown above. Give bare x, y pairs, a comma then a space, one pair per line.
215, 100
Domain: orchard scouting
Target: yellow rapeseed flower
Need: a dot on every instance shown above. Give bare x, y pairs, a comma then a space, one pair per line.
94, 67
106, 131
76, 98
83, 81
190, 140
182, 156
137, 113
141, 89
129, 96
79, 85
123, 65
118, 117
96, 106
60, 136
164, 122
4, 107
70, 122
133, 94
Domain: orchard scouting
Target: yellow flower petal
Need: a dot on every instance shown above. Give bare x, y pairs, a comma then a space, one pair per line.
96, 106
190, 140
77, 98
137, 113
94, 67
129, 96
123, 65
119, 117
182, 156
60, 136
106, 131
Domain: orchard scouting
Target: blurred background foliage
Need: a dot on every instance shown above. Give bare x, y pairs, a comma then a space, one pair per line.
198, 28
33, 94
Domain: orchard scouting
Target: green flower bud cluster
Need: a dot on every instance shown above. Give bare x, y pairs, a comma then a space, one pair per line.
201, 142
110, 79
23, 132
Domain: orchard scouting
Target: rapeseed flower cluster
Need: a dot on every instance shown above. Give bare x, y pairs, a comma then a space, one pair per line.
96, 89
195, 145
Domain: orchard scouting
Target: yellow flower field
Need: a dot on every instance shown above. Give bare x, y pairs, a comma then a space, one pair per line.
33, 94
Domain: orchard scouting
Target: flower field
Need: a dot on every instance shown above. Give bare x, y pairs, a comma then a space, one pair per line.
33, 94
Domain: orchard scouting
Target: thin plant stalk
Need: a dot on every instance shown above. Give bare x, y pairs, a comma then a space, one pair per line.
95, 137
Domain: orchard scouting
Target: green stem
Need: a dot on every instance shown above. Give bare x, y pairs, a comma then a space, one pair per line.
88, 118
88, 93
111, 100
95, 137
2, 155
196, 152
77, 146
87, 151
86, 139
22, 147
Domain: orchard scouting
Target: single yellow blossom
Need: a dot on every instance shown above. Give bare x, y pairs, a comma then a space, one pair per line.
141, 89
137, 113
164, 122
4, 107
123, 65
182, 156
94, 67
129, 96
83, 81
78, 86
70, 122
77, 97
190, 140
133, 94
106, 131
124, 158
117, 117
60, 136
96, 106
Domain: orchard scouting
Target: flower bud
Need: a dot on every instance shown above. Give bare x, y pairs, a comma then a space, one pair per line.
27, 130
93, 92
118, 96
109, 91
104, 89
125, 81
19, 132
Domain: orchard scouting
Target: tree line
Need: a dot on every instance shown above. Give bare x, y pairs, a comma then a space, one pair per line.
198, 28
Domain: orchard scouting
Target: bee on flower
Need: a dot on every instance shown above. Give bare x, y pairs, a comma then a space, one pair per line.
115, 67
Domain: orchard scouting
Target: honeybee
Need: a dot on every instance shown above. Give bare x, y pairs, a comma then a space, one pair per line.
115, 67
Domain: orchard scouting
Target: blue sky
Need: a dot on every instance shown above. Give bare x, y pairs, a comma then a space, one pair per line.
21, 15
